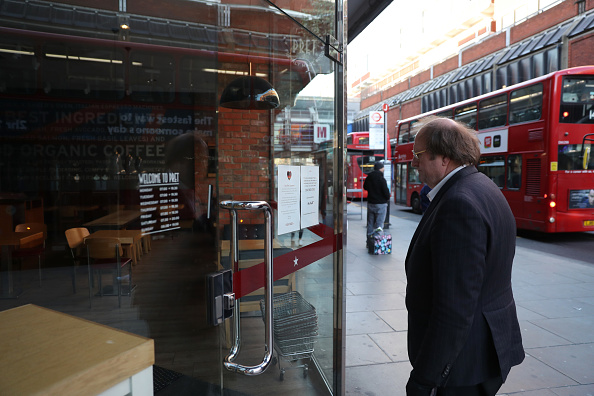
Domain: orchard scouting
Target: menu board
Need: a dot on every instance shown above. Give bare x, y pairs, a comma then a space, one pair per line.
159, 202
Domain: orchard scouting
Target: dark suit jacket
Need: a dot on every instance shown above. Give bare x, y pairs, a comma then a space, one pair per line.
462, 322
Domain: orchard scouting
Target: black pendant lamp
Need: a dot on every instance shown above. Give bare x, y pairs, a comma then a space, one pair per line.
250, 93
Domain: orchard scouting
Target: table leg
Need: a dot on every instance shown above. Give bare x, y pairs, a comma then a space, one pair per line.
8, 289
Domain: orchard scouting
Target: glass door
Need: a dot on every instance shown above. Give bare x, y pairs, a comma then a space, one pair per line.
284, 157
117, 124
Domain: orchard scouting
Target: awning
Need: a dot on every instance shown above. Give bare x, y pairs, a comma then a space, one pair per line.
361, 13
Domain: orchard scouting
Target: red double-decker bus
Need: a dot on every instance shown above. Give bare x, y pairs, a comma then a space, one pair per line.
536, 139
360, 161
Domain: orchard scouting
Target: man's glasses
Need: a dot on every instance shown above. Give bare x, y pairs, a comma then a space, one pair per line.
417, 155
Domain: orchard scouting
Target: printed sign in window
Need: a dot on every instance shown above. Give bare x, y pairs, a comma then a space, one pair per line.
581, 199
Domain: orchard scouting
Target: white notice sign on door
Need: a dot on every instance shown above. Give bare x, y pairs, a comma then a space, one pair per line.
310, 195
288, 206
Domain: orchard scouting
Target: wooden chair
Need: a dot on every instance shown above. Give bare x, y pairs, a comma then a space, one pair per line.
34, 248
69, 216
105, 255
76, 238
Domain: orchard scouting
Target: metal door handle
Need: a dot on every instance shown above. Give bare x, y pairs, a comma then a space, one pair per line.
229, 363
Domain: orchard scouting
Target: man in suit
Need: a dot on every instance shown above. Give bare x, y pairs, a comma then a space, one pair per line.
463, 331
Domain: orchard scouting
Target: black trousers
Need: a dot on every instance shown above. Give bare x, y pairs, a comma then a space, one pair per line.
487, 388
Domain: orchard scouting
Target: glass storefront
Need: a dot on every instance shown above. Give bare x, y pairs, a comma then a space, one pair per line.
112, 126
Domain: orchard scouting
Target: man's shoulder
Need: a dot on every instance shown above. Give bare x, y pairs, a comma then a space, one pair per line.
374, 174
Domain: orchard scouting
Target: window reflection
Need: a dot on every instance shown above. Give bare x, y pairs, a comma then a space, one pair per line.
525, 104
494, 169
570, 157
514, 172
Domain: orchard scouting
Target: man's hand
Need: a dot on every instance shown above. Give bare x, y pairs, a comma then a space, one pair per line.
413, 388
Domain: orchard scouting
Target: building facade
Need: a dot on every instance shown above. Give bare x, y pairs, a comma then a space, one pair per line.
487, 58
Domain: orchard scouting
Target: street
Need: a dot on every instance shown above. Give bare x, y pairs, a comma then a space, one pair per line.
553, 284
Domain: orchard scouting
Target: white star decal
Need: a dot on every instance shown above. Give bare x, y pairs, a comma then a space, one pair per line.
295, 262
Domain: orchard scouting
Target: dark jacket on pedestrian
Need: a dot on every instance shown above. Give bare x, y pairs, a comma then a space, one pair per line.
377, 188
462, 323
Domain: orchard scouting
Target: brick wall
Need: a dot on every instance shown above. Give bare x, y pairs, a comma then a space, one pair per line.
411, 108
370, 101
420, 78
486, 47
244, 157
551, 17
392, 117
445, 66
581, 51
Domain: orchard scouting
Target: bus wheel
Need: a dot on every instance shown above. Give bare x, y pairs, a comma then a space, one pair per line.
415, 203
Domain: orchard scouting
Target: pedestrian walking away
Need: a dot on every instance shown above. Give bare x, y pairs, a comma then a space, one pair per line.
378, 196
463, 331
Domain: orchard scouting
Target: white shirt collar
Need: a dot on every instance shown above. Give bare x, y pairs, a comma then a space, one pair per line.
431, 194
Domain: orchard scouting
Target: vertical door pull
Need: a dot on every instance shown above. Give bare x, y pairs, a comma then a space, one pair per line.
228, 362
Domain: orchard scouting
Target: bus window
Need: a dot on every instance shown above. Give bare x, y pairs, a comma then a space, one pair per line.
18, 66
80, 72
525, 104
196, 87
404, 133
493, 168
152, 77
414, 129
493, 112
363, 140
466, 114
514, 172
349, 140
446, 114
413, 176
577, 101
366, 162
570, 157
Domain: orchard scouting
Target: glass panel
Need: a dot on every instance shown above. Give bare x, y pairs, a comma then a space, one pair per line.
514, 172
454, 94
494, 168
119, 130
577, 101
525, 104
17, 74
487, 82
400, 183
94, 72
539, 64
88, 151
152, 77
404, 135
493, 112
366, 162
477, 84
552, 56
525, 66
514, 76
413, 175
501, 78
285, 157
570, 156
466, 114
447, 114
